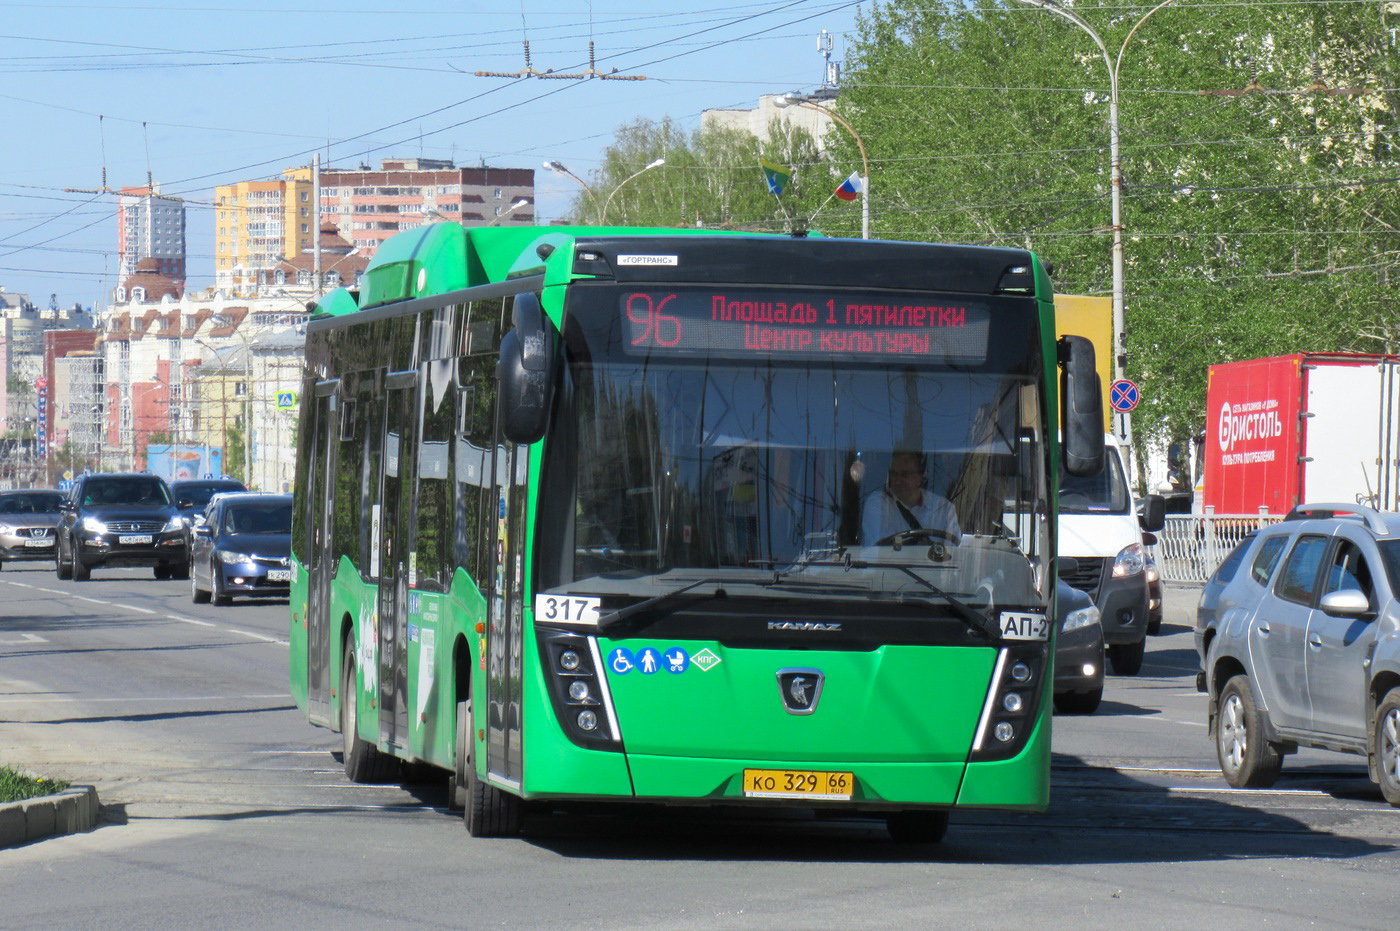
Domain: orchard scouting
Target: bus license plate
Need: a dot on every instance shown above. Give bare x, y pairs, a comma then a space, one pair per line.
789, 783
279, 575
132, 539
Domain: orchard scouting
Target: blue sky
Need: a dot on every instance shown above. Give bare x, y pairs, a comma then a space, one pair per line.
206, 93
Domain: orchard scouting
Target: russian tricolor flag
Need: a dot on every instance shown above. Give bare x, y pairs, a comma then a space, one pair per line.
850, 188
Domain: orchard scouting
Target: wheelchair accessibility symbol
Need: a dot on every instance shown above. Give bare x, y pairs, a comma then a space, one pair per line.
621, 661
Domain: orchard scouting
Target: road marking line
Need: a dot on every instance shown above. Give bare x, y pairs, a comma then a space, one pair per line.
105, 604
1157, 717
262, 637
28, 638
191, 620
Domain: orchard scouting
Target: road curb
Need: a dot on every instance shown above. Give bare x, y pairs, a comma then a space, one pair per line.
71, 811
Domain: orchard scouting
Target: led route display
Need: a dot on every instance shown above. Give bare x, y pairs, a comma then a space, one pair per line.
739, 323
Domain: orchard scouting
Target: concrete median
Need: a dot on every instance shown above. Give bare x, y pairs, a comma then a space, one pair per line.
71, 811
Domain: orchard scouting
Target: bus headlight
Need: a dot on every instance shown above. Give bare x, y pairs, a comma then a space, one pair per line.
1013, 700
577, 689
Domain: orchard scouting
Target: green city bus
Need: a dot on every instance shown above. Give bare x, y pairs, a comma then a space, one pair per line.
579, 517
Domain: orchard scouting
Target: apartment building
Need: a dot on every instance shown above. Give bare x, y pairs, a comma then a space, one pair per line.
150, 226
369, 206
257, 224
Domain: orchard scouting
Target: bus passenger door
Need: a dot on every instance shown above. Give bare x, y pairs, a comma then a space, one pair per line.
506, 647
395, 543
320, 495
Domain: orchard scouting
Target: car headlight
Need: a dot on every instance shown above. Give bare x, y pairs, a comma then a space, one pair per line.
1151, 570
7, 528
1131, 560
174, 524
234, 559
1083, 617
93, 525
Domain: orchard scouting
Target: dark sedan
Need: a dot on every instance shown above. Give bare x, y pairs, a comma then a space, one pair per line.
27, 520
243, 547
1079, 653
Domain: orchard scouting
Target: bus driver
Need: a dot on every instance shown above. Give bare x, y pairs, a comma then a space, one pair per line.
905, 504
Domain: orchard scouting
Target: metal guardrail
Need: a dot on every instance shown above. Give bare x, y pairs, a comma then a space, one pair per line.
1191, 546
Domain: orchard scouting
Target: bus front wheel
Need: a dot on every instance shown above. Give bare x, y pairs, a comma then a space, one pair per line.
363, 761
487, 812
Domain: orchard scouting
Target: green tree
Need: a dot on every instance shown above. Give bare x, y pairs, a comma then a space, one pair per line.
1255, 223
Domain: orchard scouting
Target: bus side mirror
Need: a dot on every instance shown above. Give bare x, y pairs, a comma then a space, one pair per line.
527, 370
1081, 424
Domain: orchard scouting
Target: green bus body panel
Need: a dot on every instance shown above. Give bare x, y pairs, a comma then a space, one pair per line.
895, 704
1016, 783
554, 765
722, 780
296, 634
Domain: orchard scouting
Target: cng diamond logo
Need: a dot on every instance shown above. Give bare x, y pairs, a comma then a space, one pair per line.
705, 659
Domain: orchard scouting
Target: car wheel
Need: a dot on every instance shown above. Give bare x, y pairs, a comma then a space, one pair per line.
180, 570
161, 572
198, 595
62, 569
1387, 746
1247, 760
1154, 627
1126, 658
363, 761
488, 812
1078, 702
917, 827
221, 598
81, 570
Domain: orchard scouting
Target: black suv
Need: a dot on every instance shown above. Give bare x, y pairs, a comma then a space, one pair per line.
121, 519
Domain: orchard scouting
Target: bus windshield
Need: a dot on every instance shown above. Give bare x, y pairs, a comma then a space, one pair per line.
782, 477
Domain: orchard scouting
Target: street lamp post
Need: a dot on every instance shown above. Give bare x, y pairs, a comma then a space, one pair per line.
601, 212
1114, 65
516, 205
798, 100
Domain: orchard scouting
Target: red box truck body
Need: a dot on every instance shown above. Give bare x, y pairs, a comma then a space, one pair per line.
1307, 427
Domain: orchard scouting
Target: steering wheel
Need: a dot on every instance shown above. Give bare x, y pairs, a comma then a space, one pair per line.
917, 533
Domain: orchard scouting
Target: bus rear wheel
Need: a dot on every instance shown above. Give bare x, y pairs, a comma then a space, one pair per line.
363, 761
917, 827
487, 812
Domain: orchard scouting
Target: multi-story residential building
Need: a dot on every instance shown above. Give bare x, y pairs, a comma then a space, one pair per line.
370, 206
150, 226
257, 224
201, 370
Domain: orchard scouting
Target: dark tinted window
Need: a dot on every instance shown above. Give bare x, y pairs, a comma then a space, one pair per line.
1231, 564
261, 517
1349, 570
133, 490
1298, 581
199, 493
38, 502
1267, 559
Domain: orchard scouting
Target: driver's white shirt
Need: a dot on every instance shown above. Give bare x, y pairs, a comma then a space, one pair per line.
881, 517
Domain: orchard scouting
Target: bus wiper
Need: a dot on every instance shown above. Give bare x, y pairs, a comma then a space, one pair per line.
613, 618
977, 619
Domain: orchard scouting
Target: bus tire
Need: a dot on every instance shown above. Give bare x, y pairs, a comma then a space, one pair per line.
457, 785
363, 761
1126, 658
487, 811
919, 826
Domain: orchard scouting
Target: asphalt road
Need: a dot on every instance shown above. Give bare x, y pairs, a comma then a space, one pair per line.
223, 808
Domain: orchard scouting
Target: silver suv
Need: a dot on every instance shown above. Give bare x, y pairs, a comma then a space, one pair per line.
1308, 652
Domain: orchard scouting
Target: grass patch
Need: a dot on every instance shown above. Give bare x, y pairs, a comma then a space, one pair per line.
16, 787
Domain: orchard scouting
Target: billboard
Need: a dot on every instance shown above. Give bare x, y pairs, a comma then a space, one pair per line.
173, 463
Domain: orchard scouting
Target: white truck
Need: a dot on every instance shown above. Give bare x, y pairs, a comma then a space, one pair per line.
1102, 531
